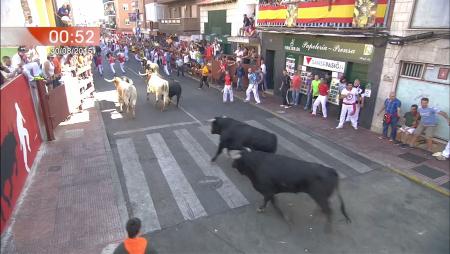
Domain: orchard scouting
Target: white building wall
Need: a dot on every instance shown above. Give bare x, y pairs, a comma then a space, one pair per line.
428, 51
12, 14
235, 13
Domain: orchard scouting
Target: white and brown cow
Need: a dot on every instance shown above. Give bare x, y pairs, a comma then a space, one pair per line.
126, 93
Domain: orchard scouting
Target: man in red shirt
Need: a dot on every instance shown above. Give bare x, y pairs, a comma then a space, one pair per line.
111, 61
295, 87
322, 98
121, 58
227, 89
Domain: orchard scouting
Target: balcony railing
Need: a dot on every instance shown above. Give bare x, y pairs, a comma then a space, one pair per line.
178, 25
110, 13
324, 14
108, 1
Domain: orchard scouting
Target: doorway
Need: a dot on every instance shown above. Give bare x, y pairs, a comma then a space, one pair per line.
269, 60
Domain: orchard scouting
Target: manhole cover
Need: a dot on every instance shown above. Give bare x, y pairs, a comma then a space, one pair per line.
413, 158
428, 171
211, 182
54, 169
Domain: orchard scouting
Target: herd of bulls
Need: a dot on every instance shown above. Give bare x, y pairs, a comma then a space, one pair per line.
127, 93
253, 153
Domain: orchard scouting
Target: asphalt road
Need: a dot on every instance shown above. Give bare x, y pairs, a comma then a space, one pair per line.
191, 206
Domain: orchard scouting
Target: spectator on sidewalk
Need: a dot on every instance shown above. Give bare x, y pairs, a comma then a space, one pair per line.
349, 98
308, 92
391, 110
8, 70
428, 123
322, 98
204, 79
227, 89
134, 244
342, 85
49, 72
315, 89
295, 87
260, 80
360, 101
264, 72
252, 87
410, 122
240, 72
285, 85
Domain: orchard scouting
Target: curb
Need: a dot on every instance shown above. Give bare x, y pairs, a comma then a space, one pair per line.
419, 181
412, 178
121, 205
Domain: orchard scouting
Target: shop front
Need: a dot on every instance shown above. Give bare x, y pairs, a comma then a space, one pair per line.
332, 59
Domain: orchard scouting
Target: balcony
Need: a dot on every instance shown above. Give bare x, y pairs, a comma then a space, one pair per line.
108, 1
111, 26
110, 13
321, 14
180, 25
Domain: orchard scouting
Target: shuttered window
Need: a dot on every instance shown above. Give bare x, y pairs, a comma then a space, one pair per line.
412, 70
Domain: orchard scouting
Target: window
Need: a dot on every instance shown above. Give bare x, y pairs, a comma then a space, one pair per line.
125, 7
127, 22
431, 14
412, 70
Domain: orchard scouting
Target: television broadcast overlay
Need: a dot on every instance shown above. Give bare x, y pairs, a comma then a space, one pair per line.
50, 36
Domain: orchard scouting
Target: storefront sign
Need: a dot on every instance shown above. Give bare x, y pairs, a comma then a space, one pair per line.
324, 64
348, 51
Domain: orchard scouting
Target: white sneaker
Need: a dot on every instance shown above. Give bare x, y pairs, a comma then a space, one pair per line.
437, 154
339, 127
355, 127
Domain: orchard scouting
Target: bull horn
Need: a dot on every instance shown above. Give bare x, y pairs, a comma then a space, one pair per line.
235, 154
247, 149
211, 120
112, 80
145, 74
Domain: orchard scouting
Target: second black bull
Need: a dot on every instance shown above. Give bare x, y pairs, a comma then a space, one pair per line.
236, 135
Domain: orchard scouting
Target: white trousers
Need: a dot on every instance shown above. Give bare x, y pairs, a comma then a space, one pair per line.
446, 151
320, 100
227, 90
252, 88
166, 70
347, 110
112, 67
356, 115
100, 69
121, 66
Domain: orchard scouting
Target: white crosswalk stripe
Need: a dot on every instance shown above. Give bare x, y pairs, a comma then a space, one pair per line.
138, 188
181, 189
340, 156
228, 191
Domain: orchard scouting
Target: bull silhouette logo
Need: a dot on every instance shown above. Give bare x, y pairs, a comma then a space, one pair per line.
24, 138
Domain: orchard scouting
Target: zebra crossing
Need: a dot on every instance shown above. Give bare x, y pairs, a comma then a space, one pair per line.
186, 150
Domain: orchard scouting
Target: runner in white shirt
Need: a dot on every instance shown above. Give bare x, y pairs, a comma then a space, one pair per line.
350, 98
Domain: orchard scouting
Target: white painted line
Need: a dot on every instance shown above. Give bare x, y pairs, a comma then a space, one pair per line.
138, 190
340, 156
295, 149
182, 191
207, 131
228, 191
191, 115
153, 128
126, 67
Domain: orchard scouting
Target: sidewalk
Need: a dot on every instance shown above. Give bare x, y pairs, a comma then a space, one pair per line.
73, 203
414, 164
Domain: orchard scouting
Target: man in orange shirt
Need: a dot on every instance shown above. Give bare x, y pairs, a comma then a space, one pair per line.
134, 244
295, 87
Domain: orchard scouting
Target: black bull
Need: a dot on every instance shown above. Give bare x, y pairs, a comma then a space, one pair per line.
271, 174
235, 135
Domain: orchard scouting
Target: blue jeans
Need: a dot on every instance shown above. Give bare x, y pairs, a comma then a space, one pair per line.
295, 97
308, 101
239, 83
393, 124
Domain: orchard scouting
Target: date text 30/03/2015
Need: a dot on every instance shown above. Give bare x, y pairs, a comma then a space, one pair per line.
71, 50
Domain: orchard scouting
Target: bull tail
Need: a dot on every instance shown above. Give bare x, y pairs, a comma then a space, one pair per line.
343, 211
107, 80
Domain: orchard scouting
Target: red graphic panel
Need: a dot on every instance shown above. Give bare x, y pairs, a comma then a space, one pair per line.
19, 133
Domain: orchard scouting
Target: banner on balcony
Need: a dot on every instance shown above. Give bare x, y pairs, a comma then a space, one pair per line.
347, 51
340, 12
